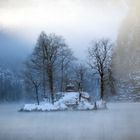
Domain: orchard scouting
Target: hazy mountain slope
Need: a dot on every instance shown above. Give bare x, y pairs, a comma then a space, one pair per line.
126, 59
13, 50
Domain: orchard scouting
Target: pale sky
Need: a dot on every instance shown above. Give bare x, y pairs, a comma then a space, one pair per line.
78, 21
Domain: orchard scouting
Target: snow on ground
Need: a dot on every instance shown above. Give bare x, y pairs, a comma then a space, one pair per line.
68, 101
101, 104
44, 107
85, 106
69, 98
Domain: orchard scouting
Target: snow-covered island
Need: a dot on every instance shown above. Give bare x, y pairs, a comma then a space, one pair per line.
67, 101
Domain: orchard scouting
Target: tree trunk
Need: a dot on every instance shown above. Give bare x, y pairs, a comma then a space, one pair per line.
51, 84
44, 84
62, 79
52, 90
102, 87
44, 79
37, 98
80, 95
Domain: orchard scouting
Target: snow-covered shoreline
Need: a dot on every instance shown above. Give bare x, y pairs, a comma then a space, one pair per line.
68, 101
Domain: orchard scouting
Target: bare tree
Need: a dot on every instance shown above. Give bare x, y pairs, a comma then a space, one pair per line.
100, 59
66, 59
51, 58
51, 46
52, 50
80, 74
32, 76
39, 54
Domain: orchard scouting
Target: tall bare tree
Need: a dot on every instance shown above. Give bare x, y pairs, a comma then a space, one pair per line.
32, 76
39, 54
66, 59
100, 60
51, 57
80, 75
52, 48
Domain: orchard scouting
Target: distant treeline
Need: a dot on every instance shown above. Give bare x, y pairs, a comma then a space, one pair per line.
10, 86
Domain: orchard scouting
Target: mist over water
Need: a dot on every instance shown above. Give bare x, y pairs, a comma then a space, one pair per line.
119, 122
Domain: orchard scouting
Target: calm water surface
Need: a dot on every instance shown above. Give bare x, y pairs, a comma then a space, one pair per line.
121, 121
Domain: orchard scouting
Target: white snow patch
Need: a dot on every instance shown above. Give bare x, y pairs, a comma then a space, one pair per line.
45, 107
69, 100
101, 104
85, 106
85, 95
29, 107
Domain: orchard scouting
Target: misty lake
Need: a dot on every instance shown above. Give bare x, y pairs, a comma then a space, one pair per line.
121, 121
